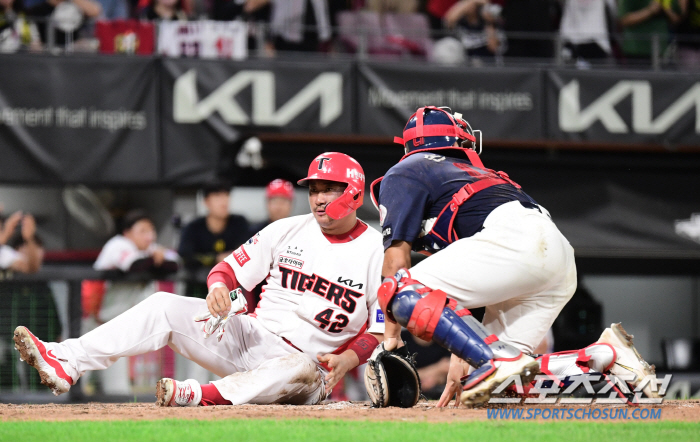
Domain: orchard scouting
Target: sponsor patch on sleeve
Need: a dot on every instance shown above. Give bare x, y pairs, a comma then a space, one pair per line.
241, 256
380, 316
253, 239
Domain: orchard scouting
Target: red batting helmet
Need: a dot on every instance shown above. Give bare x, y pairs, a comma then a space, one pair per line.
336, 166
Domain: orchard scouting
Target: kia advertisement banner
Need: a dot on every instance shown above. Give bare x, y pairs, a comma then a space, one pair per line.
78, 120
504, 104
624, 107
207, 106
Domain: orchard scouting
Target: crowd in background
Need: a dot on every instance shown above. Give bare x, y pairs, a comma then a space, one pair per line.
444, 31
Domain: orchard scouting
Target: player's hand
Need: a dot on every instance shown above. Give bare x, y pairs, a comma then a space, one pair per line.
158, 256
453, 387
392, 336
9, 227
219, 301
239, 306
339, 365
28, 227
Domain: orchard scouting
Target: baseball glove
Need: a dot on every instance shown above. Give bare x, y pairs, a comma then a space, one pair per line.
391, 378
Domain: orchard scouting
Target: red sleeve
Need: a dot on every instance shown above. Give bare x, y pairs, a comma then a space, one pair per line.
222, 272
363, 346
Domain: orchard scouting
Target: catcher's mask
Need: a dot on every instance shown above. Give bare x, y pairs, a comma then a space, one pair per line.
433, 128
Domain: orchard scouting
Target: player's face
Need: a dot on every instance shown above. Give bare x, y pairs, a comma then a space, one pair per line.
321, 193
142, 233
278, 207
217, 204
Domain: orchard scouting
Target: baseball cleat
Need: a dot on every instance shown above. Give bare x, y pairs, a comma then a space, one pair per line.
525, 366
52, 371
628, 360
172, 393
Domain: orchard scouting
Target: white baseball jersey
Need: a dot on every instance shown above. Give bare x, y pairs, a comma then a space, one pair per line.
8, 256
321, 289
120, 253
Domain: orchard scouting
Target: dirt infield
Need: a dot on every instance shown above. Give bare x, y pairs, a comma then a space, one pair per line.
688, 410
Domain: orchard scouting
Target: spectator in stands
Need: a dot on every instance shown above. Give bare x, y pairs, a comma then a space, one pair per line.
688, 34
477, 23
16, 32
28, 301
164, 10
301, 25
133, 251
436, 10
539, 18
72, 9
393, 6
206, 241
640, 20
20, 249
584, 29
256, 10
114, 9
279, 198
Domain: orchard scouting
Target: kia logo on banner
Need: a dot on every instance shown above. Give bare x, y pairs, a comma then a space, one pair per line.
572, 118
327, 87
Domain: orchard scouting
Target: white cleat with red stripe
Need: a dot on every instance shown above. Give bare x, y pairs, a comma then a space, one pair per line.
172, 393
55, 373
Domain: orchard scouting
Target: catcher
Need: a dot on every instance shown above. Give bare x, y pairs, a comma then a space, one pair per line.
490, 245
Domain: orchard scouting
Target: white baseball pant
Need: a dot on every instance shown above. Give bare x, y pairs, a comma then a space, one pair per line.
520, 267
257, 366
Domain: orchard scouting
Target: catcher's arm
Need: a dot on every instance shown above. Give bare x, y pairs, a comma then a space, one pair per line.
358, 353
396, 257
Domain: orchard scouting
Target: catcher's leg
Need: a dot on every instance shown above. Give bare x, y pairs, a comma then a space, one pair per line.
427, 314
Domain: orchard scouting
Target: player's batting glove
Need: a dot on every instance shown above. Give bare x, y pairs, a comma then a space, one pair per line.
239, 306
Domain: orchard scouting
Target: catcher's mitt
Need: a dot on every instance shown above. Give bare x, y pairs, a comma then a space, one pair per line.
391, 378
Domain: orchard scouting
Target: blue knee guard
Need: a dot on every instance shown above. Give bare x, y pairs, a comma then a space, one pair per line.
451, 331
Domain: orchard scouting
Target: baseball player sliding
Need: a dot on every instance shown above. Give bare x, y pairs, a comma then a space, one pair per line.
491, 245
318, 316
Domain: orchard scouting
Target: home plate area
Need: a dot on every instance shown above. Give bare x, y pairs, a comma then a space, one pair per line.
425, 411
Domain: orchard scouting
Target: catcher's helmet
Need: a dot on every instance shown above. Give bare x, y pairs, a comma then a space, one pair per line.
435, 128
336, 166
